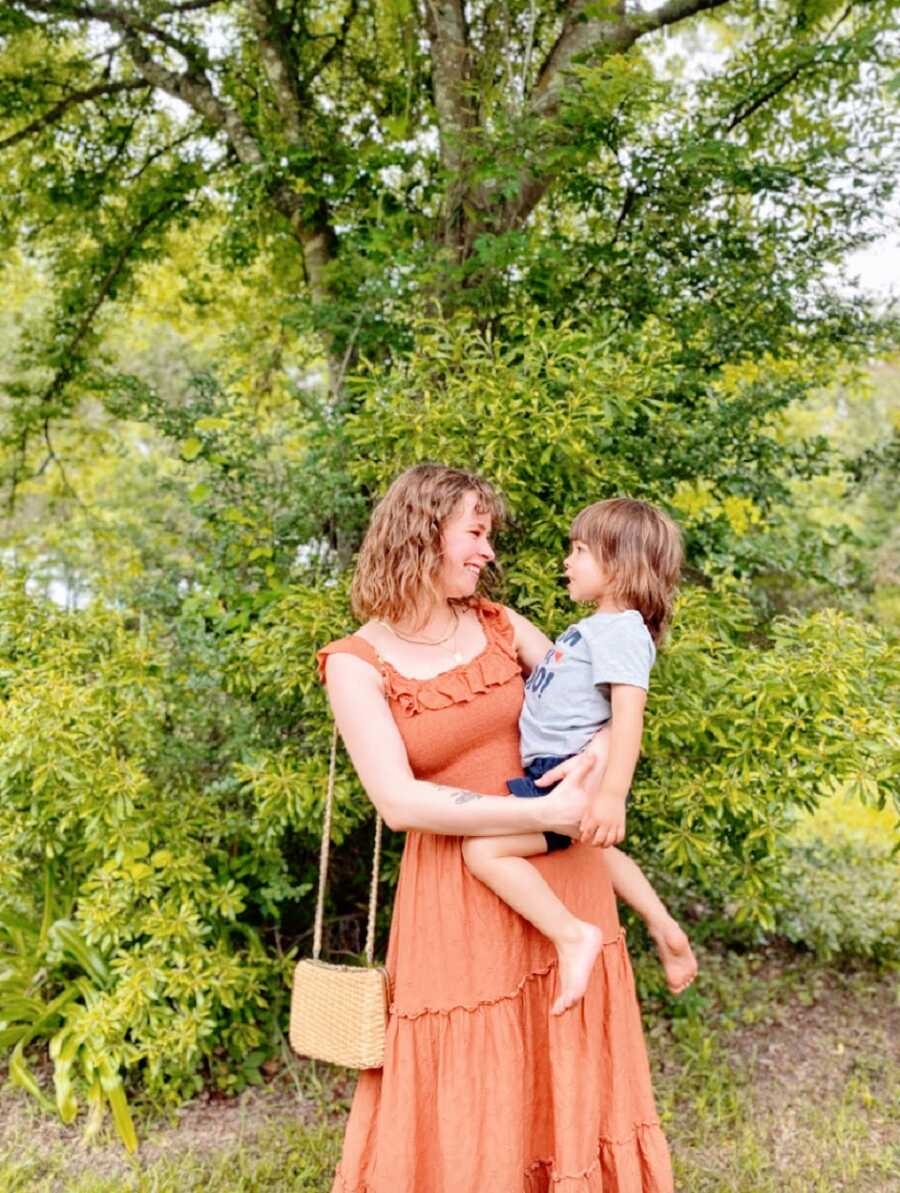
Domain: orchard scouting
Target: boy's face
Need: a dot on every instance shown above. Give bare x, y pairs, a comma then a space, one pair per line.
587, 579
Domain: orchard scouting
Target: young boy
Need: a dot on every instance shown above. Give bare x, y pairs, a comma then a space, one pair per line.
588, 694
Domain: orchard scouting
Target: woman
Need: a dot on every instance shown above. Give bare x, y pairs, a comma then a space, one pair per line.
481, 1091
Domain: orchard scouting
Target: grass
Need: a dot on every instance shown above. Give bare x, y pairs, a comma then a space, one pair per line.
775, 1075
264, 1141
784, 1077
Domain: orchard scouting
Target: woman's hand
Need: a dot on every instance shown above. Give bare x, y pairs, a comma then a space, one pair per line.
564, 808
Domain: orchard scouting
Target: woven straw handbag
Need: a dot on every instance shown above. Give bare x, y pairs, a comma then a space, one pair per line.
339, 1012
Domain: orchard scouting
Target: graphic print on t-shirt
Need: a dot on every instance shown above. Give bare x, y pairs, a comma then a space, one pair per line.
542, 676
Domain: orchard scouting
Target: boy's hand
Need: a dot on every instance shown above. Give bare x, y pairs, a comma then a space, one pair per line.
603, 823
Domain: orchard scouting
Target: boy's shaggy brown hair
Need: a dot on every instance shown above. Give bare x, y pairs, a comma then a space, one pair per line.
641, 550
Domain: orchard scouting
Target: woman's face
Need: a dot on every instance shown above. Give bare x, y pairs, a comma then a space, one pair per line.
465, 547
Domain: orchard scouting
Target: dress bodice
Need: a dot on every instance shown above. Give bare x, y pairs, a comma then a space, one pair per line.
460, 726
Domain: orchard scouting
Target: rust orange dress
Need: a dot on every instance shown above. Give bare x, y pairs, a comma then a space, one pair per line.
482, 1090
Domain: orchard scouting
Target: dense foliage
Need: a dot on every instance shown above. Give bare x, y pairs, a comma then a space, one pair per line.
265, 256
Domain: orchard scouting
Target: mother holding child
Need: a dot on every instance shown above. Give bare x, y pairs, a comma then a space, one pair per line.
514, 1057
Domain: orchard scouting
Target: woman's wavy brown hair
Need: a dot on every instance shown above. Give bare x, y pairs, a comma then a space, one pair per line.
640, 548
400, 557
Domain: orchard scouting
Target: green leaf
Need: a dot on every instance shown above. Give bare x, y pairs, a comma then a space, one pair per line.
21, 1075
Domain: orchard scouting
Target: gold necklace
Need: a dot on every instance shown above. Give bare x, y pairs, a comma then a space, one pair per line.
457, 657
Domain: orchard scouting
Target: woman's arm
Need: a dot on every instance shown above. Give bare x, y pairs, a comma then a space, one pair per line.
531, 643
379, 756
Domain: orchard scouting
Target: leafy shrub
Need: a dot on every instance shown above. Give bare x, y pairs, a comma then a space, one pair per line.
32, 957
842, 899
742, 737
118, 804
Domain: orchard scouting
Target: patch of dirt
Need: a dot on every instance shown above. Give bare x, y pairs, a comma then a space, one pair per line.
831, 1039
826, 1028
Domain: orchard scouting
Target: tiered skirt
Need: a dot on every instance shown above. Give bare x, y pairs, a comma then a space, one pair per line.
483, 1091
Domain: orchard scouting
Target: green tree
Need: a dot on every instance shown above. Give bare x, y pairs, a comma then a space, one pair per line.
479, 156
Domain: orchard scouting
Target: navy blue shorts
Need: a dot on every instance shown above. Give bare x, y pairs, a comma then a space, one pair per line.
526, 788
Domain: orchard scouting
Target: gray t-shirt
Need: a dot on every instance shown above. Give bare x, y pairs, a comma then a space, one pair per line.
567, 697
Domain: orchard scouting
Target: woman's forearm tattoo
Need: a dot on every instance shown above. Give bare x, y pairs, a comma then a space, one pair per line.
460, 796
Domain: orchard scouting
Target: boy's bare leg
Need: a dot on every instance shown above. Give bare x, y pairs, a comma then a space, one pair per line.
500, 863
631, 885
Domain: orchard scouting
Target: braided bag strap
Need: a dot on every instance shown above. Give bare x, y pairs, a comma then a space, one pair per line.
323, 865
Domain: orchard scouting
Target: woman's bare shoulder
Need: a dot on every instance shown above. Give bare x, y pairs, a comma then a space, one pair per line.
354, 654
370, 631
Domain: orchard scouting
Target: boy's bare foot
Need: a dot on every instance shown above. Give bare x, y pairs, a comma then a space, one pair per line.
576, 963
675, 953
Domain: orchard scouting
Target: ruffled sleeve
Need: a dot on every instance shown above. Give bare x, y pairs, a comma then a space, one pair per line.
352, 644
497, 626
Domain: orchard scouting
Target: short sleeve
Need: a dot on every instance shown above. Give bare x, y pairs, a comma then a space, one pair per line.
621, 650
352, 644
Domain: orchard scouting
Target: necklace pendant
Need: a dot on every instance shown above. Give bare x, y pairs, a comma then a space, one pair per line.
457, 657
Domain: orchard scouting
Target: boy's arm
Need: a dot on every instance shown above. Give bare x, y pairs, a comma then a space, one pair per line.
604, 822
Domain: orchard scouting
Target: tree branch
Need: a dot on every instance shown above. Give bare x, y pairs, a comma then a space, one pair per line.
279, 65
771, 90
613, 36
17, 470
775, 88
580, 37
65, 371
317, 238
53, 456
52, 115
340, 40
188, 6
194, 89
780, 83
124, 144
160, 152
445, 24
122, 19
68, 354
